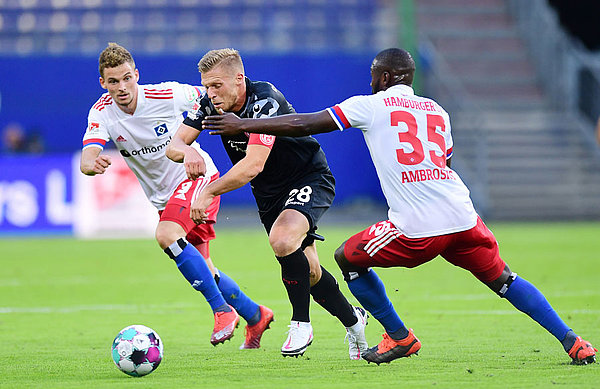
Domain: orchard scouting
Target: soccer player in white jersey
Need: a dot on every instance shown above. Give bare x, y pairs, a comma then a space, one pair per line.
430, 211
141, 120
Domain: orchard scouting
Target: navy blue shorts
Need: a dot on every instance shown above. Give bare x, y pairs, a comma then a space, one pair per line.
311, 195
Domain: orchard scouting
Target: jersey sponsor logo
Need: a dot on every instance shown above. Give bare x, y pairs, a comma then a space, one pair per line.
265, 107
267, 140
239, 146
427, 175
193, 112
161, 129
121, 139
145, 150
93, 127
191, 93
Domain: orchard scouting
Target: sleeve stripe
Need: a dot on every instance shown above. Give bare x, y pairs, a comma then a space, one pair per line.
94, 141
449, 153
337, 111
337, 119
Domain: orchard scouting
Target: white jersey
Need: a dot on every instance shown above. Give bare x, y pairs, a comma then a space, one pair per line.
142, 138
409, 139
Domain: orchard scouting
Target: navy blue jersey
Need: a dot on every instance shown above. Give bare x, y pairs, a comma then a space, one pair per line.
290, 158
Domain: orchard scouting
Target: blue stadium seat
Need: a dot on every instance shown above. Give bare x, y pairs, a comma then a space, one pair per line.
30, 27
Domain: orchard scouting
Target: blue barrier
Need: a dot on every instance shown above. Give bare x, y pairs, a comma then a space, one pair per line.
36, 194
54, 94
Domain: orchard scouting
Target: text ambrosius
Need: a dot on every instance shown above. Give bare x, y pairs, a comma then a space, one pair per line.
427, 175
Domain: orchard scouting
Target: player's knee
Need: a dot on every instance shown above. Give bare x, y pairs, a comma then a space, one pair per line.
340, 257
165, 236
161, 239
349, 271
501, 284
283, 245
315, 275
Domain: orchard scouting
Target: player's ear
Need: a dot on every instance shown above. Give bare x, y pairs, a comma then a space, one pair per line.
102, 82
137, 75
386, 79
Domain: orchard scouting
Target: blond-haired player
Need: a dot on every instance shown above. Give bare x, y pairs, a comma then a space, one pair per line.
292, 185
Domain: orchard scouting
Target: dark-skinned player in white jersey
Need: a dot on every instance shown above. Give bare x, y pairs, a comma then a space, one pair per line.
430, 210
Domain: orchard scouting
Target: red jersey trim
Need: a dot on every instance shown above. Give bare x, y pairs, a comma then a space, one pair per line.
94, 141
262, 139
337, 111
158, 93
102, 102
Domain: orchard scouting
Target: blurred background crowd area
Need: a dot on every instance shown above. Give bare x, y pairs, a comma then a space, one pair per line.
520, 79
60, 27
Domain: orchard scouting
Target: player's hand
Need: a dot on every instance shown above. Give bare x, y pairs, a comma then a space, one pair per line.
225, 124
195, 166
198, 209
101, 163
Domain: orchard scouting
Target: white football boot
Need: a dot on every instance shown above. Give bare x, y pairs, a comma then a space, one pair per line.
300, 336
357, 342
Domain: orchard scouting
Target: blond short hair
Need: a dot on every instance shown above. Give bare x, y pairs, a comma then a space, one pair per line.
228, 57
114, 55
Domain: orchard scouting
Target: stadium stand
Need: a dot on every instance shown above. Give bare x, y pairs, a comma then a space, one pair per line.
526, 151
59, 27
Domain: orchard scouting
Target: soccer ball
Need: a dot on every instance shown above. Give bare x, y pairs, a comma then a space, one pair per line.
137, 350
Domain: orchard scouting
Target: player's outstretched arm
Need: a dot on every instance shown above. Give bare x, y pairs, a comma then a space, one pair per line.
179, 150
239, 175
302, 124
92, 162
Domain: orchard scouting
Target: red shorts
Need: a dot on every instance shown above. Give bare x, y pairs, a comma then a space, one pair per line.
382, 245
178, 210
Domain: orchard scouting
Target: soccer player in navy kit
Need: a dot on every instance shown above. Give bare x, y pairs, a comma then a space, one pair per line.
292, 185
430, 212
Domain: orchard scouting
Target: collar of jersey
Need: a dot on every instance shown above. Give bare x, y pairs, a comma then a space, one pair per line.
141, 99
405, 89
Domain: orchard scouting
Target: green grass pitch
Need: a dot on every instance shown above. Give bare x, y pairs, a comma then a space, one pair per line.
62, 301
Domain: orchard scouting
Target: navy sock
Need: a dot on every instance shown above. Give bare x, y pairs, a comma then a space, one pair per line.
569, 340
527, 299
370, 292
295, 273
193, 267
237, 299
